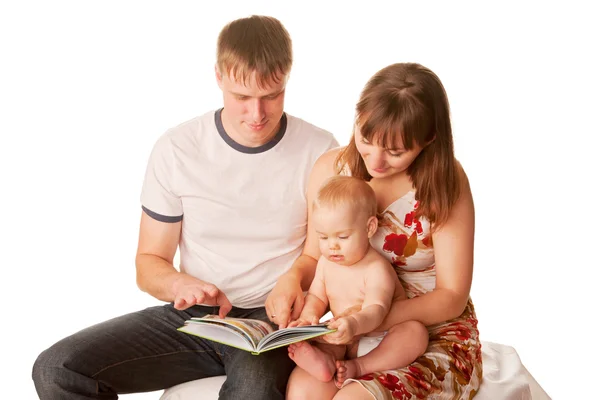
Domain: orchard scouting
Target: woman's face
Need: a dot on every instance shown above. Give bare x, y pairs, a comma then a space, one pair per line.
383, 162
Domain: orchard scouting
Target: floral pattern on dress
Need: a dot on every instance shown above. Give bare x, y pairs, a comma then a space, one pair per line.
451, 367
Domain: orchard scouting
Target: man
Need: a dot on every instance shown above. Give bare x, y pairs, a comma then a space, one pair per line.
228, 188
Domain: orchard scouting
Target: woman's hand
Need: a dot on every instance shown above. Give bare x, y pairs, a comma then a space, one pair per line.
286, 300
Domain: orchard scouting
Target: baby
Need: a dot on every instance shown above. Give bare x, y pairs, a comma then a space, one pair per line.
358, 285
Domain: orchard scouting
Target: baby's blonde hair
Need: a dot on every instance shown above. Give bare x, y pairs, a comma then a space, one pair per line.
346, 190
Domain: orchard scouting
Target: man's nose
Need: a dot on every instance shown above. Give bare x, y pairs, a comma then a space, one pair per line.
257, 110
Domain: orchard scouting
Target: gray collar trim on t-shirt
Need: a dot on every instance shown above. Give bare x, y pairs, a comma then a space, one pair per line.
250, 150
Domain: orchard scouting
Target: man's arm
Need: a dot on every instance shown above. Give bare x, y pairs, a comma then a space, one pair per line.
156, 275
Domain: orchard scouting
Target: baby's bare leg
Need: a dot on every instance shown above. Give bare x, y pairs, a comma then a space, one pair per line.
402, 344
318, 359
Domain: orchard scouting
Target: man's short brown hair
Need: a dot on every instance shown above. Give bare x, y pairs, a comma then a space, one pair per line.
256, 44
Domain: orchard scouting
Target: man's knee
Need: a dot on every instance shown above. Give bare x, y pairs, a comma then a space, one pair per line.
252, 390
55, 369
258, 377
46, 369
39, 370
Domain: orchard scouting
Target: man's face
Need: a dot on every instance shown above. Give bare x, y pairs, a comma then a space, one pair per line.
251, 114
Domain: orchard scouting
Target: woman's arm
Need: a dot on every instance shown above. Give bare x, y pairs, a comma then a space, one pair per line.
453, 250
286, 300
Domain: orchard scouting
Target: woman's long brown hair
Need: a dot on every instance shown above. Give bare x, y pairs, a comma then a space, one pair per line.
409, 100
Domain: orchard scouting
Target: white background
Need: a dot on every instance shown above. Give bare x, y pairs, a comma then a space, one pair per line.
87, 87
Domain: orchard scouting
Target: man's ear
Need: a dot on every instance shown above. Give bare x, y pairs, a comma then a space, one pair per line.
219, 77
372, 225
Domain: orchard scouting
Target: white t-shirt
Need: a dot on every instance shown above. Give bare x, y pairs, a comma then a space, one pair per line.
243, 209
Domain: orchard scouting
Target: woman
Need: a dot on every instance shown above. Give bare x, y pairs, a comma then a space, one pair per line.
402, 145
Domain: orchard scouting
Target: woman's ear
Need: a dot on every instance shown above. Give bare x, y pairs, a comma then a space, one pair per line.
372, 225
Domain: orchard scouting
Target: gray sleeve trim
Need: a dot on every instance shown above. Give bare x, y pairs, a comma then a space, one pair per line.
162, 218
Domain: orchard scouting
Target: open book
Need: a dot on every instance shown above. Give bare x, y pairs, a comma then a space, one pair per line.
251, 335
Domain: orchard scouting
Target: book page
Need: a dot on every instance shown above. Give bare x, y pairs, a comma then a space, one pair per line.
253, 330
286, 336
218, 333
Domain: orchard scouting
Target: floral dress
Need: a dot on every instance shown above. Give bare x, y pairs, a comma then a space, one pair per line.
451, 366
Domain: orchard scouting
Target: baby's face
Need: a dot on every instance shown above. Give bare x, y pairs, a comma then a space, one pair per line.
342, 232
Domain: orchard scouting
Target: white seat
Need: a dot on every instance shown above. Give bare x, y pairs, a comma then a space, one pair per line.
207, 387
504, 378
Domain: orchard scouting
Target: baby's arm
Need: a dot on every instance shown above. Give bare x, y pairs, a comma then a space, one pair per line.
315, 303
380, 283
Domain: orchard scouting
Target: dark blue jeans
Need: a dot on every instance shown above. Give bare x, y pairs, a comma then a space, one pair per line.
143, 351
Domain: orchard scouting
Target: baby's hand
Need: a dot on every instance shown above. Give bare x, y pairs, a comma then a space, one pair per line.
346, 330
304, 321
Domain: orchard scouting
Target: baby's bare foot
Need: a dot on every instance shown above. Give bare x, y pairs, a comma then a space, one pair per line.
346, 369
313, 360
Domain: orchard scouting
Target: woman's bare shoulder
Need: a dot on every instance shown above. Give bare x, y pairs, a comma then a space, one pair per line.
325, 164
465, 187
329, 157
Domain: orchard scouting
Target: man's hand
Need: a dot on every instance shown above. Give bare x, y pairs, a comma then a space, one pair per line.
190, 291
346, 330
285, 302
